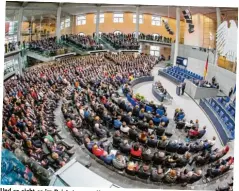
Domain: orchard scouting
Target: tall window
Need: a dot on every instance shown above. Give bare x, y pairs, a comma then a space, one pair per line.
67, 22
118, 18
62, 24
102, 18
156, 20
81, 20
155, 50
140, 19
12, 27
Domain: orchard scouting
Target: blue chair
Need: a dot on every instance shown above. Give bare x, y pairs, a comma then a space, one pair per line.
148, 109
220, 99
181, 116
232, 135
225, 120
233, 112
133, 102
217, 109
160, 112
213, 104
228, 108
230, 126
221, 114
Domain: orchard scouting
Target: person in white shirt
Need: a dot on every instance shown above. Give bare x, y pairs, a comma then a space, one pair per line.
82, 112
124, 128
212, 142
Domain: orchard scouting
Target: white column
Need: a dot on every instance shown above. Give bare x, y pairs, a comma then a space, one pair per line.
58, 24
20, 16
177, 35
137, 23
97, 23
20, 62
218, 23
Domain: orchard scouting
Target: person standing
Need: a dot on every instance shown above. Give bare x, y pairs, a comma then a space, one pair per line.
230, 93
183, 87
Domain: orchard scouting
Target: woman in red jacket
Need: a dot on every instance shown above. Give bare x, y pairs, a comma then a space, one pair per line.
97, 151
136, 151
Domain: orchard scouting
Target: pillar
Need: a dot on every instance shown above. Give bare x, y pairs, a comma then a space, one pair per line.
20, 16
58, 24
20, 63
137, 23
218, 12
97, 23
177, 35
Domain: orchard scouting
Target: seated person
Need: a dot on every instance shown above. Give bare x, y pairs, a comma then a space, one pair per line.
158, 158
133, 134
170, 176
215, 155
180, 124
125, 147
165, 119
172, 146
157, 175
79, 135
100, 132
89, 144
202, 132
159, 131
189, 125
107, 158
183, 148
152, 141
183, 178
97, 151
144, 171
182, 161
143, 137
171, 161
57, 160
136, 151
157, 120
162, 143
117, 123
151, 126
116, 139
119, 161
124, 128
147, 155
135, 111
193, 133
132, 168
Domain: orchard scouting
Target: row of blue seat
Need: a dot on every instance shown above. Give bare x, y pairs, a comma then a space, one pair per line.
230, 108
187, 72
181, 74
229, 124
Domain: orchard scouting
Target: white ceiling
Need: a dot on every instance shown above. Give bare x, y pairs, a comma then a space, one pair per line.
49, 9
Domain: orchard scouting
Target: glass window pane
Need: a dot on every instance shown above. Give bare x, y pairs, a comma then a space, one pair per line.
115, 20
121, 20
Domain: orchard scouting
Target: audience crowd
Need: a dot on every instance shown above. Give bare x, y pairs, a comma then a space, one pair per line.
157, 38
130, 138
84, 42
121, 41
48, 47
12, 46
